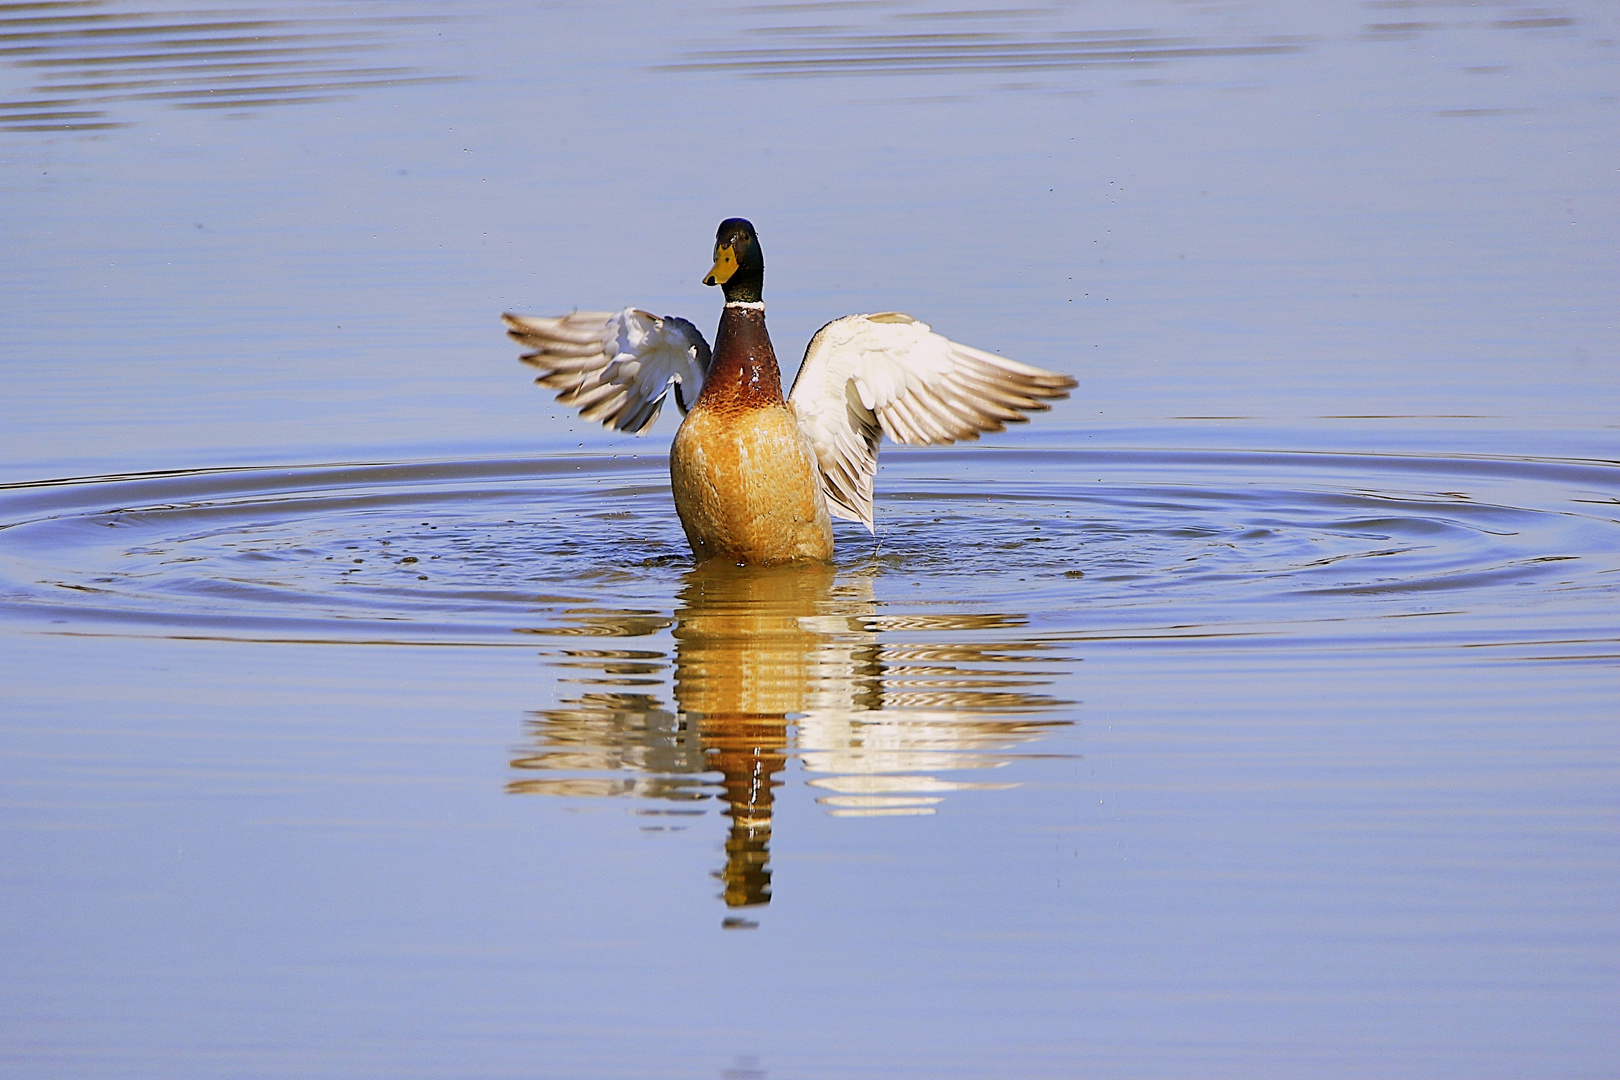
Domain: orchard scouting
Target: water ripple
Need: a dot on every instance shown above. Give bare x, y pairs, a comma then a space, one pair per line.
86, 56
913, 671
1099, 545
939, 42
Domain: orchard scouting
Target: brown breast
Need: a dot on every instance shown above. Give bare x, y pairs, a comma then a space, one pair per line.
743, 374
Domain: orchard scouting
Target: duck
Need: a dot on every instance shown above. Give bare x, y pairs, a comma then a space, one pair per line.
757, 477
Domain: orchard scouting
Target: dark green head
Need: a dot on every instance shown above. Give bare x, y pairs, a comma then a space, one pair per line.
739, 265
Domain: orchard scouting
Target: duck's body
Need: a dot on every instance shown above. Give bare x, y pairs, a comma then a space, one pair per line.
743, 472
757, 477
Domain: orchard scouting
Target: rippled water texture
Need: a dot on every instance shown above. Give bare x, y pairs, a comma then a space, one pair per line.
967, 667
1250, 713
86, 58
923, 651
1248, 548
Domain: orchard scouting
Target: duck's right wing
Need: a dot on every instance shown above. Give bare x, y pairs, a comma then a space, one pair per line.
615, 367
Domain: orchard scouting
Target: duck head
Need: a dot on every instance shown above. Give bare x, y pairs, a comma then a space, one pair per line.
739, 265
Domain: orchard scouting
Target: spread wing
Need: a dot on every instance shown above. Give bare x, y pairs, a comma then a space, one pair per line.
866, 376
615, 367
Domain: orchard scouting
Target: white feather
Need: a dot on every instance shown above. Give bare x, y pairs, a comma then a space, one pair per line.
615, 367
865, 376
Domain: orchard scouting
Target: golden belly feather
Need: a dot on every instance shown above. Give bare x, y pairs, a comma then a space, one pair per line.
747, 488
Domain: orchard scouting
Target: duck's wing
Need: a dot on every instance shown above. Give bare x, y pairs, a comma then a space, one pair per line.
866, 376
615, 367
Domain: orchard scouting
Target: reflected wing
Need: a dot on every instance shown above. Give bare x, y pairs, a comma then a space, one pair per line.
615, 367
866, 376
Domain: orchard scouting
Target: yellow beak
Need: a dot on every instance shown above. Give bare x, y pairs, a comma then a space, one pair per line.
725, 264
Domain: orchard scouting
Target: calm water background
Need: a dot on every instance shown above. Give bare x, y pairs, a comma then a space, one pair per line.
1252, 713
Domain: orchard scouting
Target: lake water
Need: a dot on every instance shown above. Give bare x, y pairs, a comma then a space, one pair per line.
1252, 713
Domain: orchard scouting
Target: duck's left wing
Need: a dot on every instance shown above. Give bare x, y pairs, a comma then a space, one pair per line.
866, 376
615, 367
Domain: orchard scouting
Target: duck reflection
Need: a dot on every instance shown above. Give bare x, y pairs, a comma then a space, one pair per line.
773, 663
748, 643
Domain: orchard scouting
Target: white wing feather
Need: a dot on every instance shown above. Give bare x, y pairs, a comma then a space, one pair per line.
866, 376
615, 367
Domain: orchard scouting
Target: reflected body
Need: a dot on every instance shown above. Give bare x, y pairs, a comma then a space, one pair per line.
778, 663
744, 659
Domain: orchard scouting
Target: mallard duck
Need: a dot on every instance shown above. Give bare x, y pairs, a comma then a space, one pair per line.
757, 477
